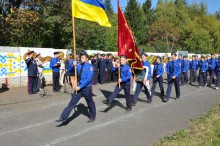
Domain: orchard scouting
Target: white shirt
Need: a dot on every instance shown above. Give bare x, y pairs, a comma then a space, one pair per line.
40, 66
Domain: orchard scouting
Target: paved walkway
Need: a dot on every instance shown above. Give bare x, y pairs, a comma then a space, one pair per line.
30, 120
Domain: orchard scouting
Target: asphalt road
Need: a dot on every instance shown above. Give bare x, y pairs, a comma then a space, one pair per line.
30, 120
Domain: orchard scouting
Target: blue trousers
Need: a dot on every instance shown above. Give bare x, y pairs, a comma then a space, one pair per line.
155, 81
193, 76
202, 78
138, 90
212, 74
184, 77
177, 87
87, 93
126, 88
32, 84
56, 78
102, 76
95, 77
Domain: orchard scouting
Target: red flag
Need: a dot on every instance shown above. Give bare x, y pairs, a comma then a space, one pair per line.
126, 43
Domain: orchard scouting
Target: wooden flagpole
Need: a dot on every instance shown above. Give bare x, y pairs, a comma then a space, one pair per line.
74, 45
119, 69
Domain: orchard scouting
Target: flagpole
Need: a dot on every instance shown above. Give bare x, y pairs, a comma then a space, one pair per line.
74, 46
119, 70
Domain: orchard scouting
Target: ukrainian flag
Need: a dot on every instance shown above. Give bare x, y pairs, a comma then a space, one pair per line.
92, 10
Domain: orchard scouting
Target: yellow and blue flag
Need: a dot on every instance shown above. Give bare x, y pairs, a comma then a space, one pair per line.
92, 10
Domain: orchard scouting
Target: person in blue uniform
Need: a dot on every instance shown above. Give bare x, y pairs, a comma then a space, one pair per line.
197, 72
173, 78
55, 65
140, 84
193, 66
32, 73
95, 66
168, 64
184, 70
71, 72
212, 68
109, 67
203, 67
218, 73
125, 83
83, 88
158, 77
102, 68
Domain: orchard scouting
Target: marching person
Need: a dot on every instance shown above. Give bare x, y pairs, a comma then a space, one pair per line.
168, 64
145, 82
218, 73
83, 88
55, 65
125, 81
184, 70
212, 68
193, 66
203, 67
32, 73
40, 67
158, 77
173, 78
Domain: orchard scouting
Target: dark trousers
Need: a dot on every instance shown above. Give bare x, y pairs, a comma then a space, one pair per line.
184, 77
155, 81
87, 93
138, 90
212, 74
202, 78
115, 76
126, 88
193, 76
169, 88
109, 76
102, 76
32, 84
95, 77
218, 78
56, 78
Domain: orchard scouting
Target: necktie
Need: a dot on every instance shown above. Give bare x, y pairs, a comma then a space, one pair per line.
80, 72
157, 69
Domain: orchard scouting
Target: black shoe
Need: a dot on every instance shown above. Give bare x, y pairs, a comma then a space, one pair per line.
149, 101
60, 120
106, 102
164, 99
128, 109
91, 120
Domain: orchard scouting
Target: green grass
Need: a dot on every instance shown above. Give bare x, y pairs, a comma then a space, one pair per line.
204, 131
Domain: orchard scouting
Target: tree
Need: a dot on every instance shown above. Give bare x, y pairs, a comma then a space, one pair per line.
164, 33
136, 19
109, 6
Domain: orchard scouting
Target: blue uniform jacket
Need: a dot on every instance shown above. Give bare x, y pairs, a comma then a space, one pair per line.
67, 62
32, 67
147, 63
125, 73
53, 61
70, 68
174, 69
109, 64
158, 69
193, 65
168, 64
102, 64
212, 64
185, 66
197, 62
203, 66
86, 76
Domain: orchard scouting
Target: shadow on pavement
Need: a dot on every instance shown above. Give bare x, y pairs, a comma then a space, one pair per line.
80, 109
114, 104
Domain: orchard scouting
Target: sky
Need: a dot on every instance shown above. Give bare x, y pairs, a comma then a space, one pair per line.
213, 5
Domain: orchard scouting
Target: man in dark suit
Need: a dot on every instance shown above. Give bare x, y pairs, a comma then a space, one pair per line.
32, 73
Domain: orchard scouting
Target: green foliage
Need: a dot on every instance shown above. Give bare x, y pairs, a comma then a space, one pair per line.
173, 25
